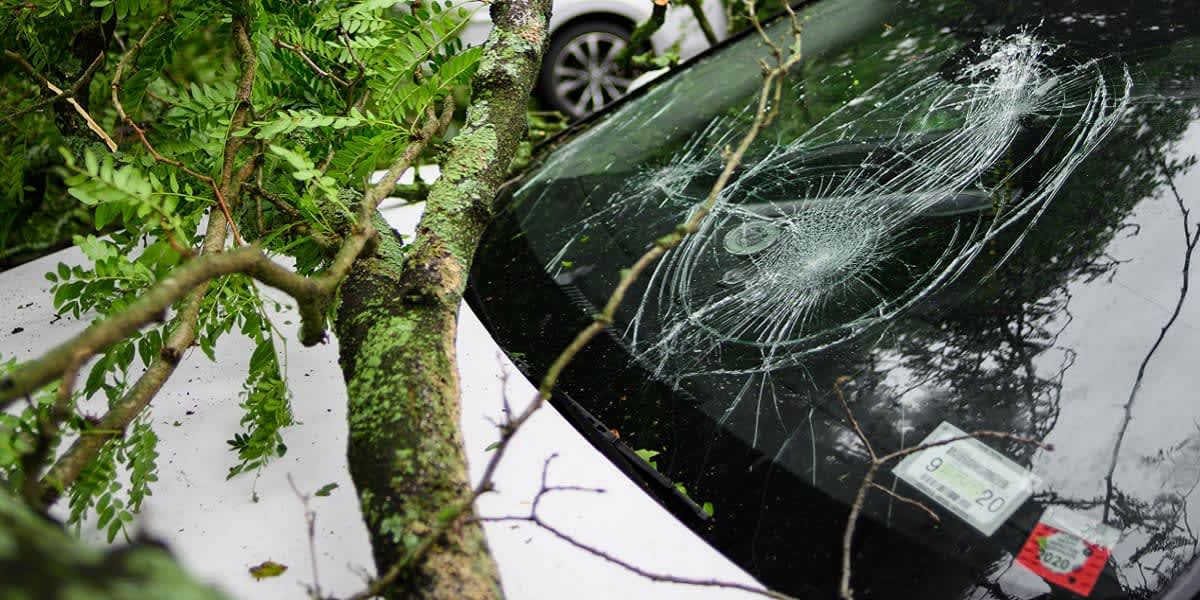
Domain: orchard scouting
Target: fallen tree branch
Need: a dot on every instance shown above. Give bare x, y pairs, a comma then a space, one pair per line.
312, 295
453, 515
67, 468
399, 309
190, 281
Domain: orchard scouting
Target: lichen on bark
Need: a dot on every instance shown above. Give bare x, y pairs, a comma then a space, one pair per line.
396, 325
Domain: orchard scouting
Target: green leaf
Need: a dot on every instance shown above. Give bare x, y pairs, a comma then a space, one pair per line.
91, 163
113, 529
326, 489
263, 357
267, 569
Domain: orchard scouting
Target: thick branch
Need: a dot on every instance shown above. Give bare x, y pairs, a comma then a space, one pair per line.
396, 328
460, 510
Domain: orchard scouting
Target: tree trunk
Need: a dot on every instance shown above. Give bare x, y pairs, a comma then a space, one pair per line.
396, 326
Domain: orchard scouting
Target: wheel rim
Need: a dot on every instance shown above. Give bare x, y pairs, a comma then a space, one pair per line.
585, 72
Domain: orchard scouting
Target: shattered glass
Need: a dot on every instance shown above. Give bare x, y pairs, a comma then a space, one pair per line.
943, 191
790, 261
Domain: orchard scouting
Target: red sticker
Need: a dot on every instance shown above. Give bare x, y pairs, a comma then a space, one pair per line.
1063, 558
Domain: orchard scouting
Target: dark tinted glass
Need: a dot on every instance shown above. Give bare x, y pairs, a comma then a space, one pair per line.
980, 216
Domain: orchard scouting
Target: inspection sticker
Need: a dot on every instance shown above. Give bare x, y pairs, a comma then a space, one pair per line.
968, 478
1068, 549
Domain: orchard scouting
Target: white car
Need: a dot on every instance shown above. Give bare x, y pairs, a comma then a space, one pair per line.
579, 74
220, 528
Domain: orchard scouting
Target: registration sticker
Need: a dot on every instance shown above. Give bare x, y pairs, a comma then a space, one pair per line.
968, 478
1068, 549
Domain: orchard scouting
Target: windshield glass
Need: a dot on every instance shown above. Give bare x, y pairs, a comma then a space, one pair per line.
963, 219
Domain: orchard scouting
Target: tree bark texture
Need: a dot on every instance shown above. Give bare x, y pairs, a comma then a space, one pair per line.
396, 325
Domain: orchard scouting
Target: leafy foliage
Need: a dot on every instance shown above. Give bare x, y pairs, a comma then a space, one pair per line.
96, 488
18, 432
339, 88
268, 409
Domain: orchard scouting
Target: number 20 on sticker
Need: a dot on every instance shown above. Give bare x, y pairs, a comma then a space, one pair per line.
986, 498
968, 478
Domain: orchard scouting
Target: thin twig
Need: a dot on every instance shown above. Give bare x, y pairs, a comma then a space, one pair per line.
310, 522
536, 519
710, 36
862, 437
115, 86
60, 93
75, 89
298, 51
361, 101
49, 430
876, 463
907, 500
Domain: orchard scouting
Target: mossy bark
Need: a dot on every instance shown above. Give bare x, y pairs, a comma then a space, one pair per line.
396, 325
38, 560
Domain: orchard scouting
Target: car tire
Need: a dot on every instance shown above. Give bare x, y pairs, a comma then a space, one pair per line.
579, 73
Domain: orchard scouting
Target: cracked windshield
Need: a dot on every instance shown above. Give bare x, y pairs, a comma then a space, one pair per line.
938, 323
